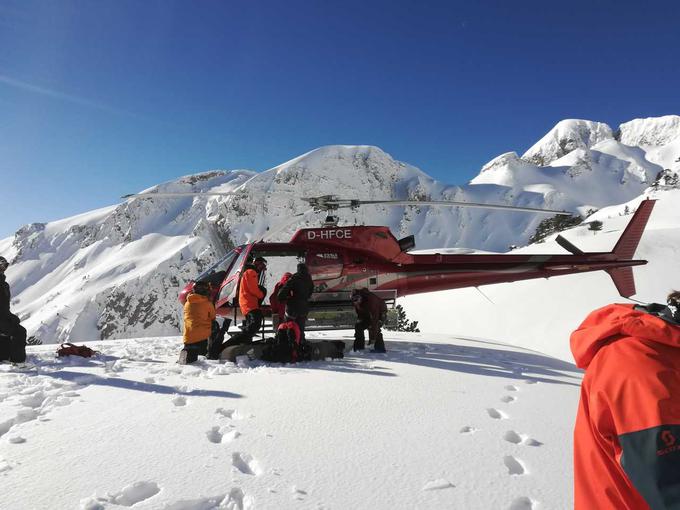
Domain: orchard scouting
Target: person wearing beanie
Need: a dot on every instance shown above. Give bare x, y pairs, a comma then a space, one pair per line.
199, 314
627, 432
371, 314
250, 296
296, 293
278, 307
14, 344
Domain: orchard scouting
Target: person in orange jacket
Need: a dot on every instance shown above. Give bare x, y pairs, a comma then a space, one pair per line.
627, 433
250, 296
199, 313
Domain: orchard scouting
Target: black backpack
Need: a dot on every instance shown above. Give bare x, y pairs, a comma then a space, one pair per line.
283, 348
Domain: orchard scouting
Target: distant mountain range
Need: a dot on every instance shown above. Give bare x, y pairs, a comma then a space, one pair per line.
116, 272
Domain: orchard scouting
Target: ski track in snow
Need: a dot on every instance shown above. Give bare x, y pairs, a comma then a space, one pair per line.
37, 389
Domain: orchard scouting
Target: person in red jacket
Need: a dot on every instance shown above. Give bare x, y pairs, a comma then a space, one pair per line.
627, 433
278, 307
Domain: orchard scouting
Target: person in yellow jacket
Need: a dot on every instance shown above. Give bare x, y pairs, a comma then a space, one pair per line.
199, 313
250, 296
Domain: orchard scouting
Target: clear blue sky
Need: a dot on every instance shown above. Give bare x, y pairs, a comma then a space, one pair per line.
102, 98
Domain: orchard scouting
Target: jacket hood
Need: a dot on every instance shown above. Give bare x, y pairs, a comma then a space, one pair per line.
613, 322
195, 298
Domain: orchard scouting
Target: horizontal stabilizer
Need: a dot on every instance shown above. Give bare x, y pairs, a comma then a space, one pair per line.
567, 245
623, 279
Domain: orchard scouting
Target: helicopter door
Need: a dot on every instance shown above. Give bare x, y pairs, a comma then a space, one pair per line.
227, 296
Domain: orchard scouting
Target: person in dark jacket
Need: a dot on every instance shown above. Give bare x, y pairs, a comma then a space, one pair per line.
296, 293
627, 433
371, 313
9, 323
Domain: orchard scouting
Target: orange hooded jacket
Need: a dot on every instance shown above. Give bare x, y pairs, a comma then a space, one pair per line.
249, 293
627, 433
199, 312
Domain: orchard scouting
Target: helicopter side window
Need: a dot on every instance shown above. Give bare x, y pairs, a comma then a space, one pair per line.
232, 277
324, 265
215, 273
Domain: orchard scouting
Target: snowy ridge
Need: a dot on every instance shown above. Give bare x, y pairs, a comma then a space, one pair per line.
565, 137
115, 272
654, 131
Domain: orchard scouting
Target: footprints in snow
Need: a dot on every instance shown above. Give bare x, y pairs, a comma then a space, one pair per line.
179, 400
219, 435
468, 430
245, 463
513, 465
129, 496
37, 396
513, 437
522, 503
496, 414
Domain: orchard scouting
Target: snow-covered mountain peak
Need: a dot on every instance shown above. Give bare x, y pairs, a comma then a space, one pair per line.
566, 136
340, 162
116, 272
652, 131
503, 170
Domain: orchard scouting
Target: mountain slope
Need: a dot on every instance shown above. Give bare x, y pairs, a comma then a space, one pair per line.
116, 272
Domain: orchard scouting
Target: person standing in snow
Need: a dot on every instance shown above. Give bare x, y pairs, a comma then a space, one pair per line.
296, 293
10, 324
627, 433
199, 314
371, 313
250, 296
278, 307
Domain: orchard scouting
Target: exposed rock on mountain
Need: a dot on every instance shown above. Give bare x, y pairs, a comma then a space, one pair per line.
565, 137
116, 272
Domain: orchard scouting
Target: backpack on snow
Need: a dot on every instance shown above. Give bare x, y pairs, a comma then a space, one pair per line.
68, 349
286, 346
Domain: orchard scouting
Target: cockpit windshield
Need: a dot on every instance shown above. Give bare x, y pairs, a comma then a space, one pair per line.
216, 273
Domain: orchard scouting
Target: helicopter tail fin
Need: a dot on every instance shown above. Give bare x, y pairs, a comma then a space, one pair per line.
628, 242
625, 248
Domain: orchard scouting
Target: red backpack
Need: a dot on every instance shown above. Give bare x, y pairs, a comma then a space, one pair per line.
67, 349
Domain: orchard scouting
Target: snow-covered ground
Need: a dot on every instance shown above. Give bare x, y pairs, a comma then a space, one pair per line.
437, 422
454, 417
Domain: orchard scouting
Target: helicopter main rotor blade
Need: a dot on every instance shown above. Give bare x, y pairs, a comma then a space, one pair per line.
450, 203
180, 194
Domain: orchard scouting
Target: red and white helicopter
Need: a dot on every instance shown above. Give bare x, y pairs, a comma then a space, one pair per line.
343, 258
